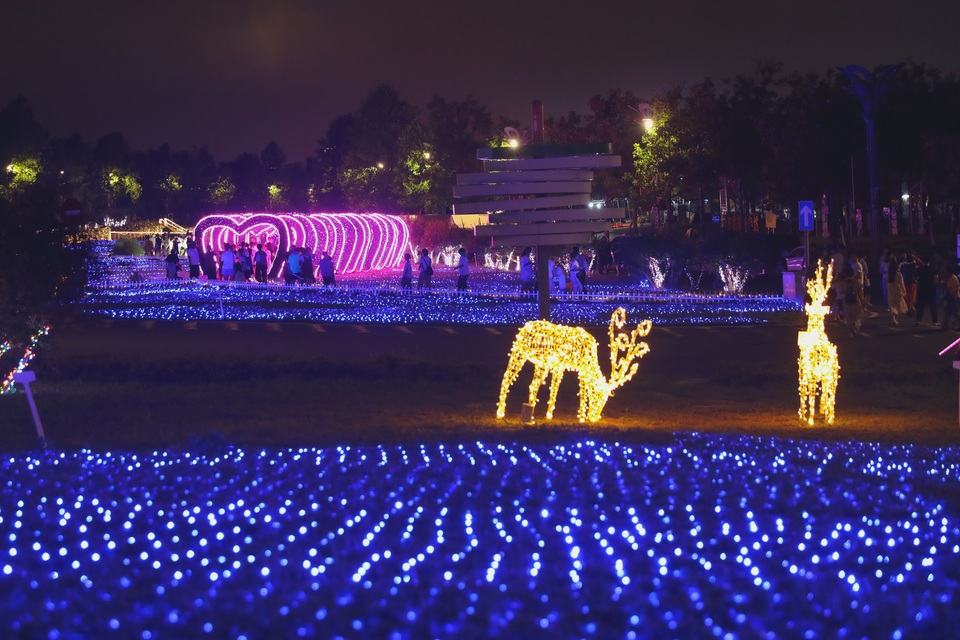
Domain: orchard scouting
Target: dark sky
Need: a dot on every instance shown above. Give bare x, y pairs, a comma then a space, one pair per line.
234, 75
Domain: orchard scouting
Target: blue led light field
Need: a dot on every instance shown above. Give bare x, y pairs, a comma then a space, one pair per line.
375, 297
704, 536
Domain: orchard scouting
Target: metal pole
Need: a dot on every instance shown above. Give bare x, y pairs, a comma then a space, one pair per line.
25, 378
543, 284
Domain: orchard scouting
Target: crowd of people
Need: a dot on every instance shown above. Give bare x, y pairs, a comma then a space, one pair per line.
911, 287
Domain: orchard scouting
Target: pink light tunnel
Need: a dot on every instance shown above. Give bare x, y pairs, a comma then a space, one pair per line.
355, 241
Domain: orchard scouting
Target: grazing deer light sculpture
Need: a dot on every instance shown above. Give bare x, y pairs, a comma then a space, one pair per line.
555, 349
818, 364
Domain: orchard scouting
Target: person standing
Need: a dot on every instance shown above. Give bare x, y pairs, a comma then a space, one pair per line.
581, 267
576, 283
528, 282
327, 270
173, 265
896, 291
559, 277
406, 278
260, 264
246, 261
306, 266
463, 269
951, 286
226, 262
193, 259
908, 268
426, 270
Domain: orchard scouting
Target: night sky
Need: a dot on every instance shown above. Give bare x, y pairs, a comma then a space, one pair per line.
235, 75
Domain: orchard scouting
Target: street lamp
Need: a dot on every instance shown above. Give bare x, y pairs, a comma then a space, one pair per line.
646, 116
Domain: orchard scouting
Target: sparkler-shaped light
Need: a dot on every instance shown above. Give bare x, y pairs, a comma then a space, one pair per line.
656, 275
734, 278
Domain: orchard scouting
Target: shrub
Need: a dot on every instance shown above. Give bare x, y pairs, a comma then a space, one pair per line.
127, 247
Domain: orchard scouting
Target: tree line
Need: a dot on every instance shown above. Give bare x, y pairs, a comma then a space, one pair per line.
769, 138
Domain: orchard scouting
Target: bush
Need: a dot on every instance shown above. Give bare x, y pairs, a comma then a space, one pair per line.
127, 247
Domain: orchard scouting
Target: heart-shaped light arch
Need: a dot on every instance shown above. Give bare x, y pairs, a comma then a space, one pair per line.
355, 241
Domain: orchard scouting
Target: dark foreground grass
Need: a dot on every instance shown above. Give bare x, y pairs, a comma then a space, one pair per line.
127, 402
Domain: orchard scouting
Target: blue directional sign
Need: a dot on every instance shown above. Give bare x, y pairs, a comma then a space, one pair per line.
806, 215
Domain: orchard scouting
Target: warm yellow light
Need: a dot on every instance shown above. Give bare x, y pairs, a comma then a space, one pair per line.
647, 124
555, 349
818, 365
514, 143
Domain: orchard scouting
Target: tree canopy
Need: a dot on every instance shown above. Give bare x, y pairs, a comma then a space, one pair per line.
770, 137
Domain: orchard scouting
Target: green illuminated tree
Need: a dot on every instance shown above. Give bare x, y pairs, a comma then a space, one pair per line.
220, 192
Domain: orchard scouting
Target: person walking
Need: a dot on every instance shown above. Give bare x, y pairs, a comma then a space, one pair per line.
852, 289
896, 291
908, 268
426, 270
463, 269
926, 290
327, 270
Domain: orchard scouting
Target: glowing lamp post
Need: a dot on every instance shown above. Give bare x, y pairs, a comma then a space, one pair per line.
555, 349
818, 365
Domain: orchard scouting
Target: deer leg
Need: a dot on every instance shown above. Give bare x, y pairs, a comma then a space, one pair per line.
555, 379
539, 377
584, 399
509, 377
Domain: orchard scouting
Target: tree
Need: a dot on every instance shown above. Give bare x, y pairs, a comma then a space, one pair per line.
373, 166
42, 271
455, 130
20, 134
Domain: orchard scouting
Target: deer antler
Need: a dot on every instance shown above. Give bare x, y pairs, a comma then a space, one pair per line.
818, 285
623, 367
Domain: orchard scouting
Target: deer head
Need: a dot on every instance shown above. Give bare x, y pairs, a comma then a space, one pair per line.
817, 288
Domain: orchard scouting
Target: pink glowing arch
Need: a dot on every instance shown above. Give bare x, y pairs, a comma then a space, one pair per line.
355, 241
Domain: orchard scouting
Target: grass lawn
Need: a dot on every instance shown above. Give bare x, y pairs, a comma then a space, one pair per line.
135, 386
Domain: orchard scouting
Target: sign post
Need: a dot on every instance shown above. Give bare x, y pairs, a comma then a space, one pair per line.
806, 219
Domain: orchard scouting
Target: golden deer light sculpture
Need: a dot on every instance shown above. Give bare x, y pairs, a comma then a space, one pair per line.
818, 365
555, 349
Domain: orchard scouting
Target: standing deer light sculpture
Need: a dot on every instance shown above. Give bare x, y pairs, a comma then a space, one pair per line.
818, 365
555, 349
